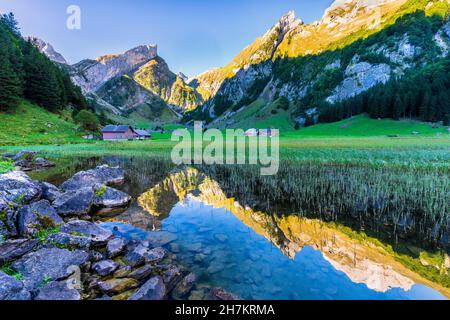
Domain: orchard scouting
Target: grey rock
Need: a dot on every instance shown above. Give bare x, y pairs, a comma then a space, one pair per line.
105, 267
171, 276
155, 255
58, 291
50, 192
142, 273
101, 175
153, 289
36, 216
14, 249
123, 272
117, 286
22, 155
220, 294
43, 163
3, 232
115, 247
161, 238
184, 287
69, 240
88, 229
12, 289
8, 155
75, 203
17, 187
136, 256
52, 263
111, 198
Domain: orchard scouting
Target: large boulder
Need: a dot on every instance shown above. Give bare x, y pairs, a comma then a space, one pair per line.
12, 289
101, 175
16, 186
37, 216
108, 199
88, 229
14, 249
50, 192
153, 289
75, 203
58, 291
49, 263
142, 254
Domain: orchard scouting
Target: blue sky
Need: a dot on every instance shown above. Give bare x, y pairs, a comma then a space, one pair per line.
192, 35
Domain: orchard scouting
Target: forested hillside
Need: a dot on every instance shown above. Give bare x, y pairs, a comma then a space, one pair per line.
25, 73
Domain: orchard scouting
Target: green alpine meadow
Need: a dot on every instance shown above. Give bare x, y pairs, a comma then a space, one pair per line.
354, 108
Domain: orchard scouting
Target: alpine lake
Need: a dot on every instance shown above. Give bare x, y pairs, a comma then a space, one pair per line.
252, 247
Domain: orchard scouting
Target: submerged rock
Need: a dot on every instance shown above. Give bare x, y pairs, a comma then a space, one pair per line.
220, 294
184, 287
75, 203
101, 175
88, 229
17, 187
53, 263
153, 289
36, 216
58, 291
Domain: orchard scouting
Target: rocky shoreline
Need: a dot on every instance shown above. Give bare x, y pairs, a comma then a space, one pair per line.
52, 249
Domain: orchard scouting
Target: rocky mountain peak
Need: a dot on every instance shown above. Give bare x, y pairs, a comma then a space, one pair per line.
286, 23
48, 50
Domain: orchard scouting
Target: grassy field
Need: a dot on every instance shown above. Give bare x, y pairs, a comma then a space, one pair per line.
29, 124
5, 165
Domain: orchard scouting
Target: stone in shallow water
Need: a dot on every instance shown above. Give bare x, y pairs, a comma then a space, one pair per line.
12, 289
153, 289
142, 273
155, 255
46, 263
58, 291
14, 249
75, 203
36, 216
221, 294
221, 237
184, 287
136, 256
171, 276
105, 267
117, 286
110, 198
123, 272
91, 230
100, 175
161, 238
115, 247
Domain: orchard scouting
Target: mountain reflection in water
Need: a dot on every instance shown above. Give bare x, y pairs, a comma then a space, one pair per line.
259, 256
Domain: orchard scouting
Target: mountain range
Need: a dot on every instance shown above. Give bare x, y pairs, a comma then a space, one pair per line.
295, 74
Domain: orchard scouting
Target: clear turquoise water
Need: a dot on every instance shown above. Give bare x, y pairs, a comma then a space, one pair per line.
224, 252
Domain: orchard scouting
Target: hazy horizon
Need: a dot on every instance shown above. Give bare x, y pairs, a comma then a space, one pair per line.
192, 37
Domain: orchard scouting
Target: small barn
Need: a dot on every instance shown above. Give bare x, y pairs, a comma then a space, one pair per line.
124, 133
